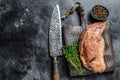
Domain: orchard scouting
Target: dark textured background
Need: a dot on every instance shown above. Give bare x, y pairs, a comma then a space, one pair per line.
24, 38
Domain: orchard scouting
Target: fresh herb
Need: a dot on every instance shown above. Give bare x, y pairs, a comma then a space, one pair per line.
72, 55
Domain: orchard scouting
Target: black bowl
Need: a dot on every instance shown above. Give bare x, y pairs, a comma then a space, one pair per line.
101, 15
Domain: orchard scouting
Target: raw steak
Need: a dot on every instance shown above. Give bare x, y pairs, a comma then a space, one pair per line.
91, 47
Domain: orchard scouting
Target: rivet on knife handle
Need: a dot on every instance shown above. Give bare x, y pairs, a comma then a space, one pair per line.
56, 75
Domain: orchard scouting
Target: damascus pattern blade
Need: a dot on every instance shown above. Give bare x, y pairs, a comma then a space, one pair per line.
55, 34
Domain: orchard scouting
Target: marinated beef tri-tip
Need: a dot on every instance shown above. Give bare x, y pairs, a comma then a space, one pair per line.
91, 47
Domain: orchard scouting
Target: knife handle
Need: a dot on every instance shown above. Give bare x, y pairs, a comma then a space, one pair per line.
56, 75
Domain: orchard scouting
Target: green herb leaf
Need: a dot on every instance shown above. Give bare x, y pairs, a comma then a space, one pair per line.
72, 55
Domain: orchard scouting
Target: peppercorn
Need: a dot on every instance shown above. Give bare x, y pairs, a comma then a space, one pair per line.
99, 12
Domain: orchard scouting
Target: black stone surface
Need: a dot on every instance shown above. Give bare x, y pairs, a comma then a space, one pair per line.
24, 26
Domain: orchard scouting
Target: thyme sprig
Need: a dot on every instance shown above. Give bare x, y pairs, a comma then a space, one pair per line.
72, 55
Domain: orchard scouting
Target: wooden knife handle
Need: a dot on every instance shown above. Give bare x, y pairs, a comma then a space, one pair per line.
56, 75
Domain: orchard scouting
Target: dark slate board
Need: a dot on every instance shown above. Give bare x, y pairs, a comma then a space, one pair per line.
72, 34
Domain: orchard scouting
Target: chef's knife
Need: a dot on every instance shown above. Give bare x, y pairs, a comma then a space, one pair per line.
55, 40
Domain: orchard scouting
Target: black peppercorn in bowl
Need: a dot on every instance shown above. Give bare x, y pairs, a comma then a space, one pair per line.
99, 12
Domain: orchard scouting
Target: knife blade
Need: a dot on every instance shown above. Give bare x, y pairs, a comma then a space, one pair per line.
55, 40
